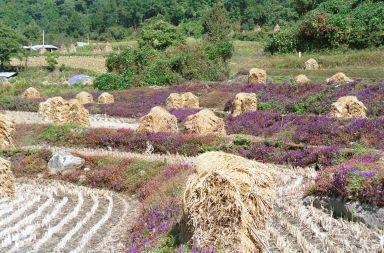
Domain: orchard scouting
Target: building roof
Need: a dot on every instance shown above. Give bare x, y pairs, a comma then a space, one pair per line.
7, 74
38, 47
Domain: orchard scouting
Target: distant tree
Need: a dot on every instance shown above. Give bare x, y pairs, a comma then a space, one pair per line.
11, 44
160, 35
216, 24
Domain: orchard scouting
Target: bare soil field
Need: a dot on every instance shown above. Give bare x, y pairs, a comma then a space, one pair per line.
93, 63
52, 216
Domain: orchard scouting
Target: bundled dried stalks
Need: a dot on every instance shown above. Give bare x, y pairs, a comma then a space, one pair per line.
226, 194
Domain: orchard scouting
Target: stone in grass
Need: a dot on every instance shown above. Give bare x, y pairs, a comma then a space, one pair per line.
62, 161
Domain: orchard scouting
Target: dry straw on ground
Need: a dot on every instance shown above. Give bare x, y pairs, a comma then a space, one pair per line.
205, 122
226, 194
158, 120
257, 76
348, 107
311, 64
339, 77
184, 100
84, 97
105, 98
7, 128
244, 102
31, 93
59, 111
72, 49
7, 181
108, 48
301, 79
97, 49
63, 49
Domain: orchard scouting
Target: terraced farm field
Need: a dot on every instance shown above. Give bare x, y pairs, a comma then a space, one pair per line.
52, 216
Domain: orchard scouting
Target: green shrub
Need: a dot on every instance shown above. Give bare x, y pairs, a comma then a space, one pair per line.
51, 60
220, 51
160, 35
109, 81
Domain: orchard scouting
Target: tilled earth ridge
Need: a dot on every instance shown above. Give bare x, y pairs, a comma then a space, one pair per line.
52, 216
294, 227
96, 120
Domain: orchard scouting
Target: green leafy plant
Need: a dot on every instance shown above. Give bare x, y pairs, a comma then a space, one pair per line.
51, 59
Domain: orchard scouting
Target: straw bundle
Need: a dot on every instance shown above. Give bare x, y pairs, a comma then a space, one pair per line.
225, 194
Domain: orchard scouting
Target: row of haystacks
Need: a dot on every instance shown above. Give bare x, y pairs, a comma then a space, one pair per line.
257, 76
83, 97
225, 195
204, 122
72, 49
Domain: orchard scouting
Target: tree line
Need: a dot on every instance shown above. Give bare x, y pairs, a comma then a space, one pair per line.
109, 19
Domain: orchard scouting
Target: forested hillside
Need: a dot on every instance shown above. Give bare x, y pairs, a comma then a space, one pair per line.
110, 18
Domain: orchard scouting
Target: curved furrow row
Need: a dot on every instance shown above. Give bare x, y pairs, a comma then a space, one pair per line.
51, 216
298, 228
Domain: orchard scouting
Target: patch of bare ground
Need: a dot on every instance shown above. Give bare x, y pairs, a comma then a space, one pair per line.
53, 216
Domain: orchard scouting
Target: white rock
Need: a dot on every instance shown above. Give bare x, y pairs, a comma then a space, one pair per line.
87, 169
62, 161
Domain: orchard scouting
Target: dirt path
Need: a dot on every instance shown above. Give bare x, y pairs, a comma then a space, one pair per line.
96, 120
53, 216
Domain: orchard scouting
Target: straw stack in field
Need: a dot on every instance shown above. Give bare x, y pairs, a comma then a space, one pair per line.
226, 193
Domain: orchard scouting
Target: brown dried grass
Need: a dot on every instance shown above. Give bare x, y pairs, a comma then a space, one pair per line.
225, 194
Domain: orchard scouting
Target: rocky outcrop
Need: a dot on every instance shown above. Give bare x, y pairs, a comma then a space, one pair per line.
63, 161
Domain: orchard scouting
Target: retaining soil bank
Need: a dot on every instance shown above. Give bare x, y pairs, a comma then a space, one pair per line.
370, 215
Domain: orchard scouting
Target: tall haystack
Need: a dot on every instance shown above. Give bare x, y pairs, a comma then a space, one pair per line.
158, 120
257, 28
244, 102
7, 129
97, 49
63, 49
348, 107
59, 111
185, 100
277, 28
205, 122
72, 49
108, 48
84, 97
88, 82
42, 50
311, 64
7, 180
257, 76
77, 114
226, 193
301, 79
105, 98
339, 78
31, 93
